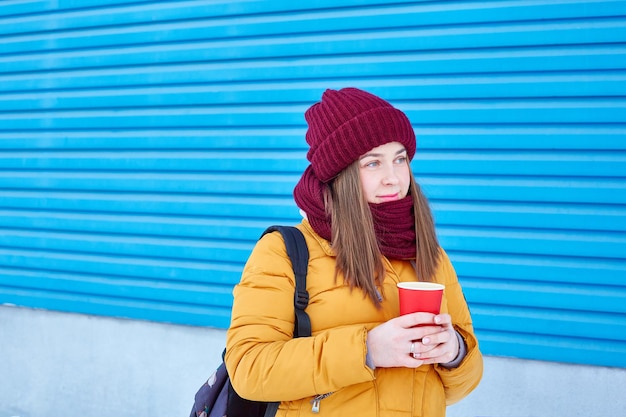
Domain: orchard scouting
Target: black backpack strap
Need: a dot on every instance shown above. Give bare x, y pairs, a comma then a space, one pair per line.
271, 410
299, 254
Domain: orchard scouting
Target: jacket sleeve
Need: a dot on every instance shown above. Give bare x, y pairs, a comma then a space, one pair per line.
460, 381
263, 360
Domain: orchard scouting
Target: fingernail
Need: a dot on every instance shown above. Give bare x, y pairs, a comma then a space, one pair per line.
437, 319
425, 340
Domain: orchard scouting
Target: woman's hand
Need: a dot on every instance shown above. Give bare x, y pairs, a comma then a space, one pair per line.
413, 340
441, 347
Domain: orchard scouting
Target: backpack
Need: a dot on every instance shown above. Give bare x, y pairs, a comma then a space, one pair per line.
216, 397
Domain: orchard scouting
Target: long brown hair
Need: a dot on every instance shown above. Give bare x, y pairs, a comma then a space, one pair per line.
359, 258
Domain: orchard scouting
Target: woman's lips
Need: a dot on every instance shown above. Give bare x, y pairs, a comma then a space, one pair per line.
388, 197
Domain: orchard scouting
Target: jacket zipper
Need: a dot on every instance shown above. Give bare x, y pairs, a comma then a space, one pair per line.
317, 400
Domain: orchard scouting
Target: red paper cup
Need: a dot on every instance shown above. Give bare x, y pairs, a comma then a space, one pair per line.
420, 297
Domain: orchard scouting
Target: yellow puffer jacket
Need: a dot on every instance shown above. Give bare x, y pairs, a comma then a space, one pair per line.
266, 364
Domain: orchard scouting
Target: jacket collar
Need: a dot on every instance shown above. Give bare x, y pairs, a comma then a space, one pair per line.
324, 244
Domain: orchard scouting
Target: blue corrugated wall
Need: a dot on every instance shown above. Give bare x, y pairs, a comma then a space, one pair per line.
145, 145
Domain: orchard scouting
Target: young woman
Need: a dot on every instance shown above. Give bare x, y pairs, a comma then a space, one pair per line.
368, 226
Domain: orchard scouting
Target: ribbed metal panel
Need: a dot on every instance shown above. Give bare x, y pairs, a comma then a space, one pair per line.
145, 145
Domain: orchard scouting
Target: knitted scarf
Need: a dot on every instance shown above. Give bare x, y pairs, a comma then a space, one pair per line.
394, 221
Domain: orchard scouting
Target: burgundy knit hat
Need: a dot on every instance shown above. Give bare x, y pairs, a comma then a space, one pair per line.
347, 123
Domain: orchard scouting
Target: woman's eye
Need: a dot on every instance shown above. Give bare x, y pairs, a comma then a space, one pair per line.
401, 160
372, 164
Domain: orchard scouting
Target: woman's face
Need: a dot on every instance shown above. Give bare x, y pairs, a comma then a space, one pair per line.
384, 173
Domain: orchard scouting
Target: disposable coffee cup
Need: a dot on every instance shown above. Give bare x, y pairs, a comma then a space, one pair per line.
420, 297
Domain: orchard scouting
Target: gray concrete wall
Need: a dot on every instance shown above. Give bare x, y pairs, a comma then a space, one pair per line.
69, 365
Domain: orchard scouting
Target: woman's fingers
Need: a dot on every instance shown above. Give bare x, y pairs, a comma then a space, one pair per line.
440, 348
412, 340
415, 319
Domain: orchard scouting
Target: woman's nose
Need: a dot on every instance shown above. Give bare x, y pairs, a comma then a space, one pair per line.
391, 177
